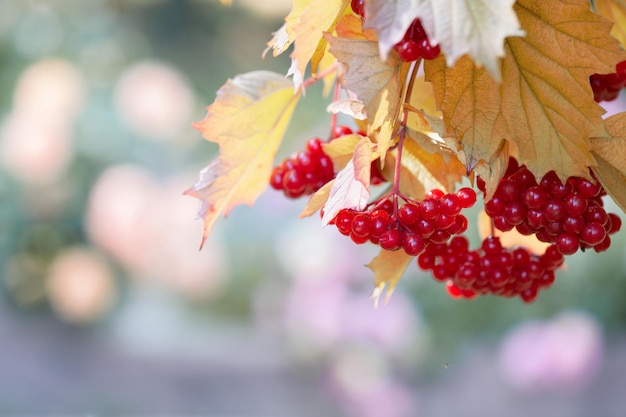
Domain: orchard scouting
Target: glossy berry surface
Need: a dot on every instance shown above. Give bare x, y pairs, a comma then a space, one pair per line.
415, 44
606, 87
412, 226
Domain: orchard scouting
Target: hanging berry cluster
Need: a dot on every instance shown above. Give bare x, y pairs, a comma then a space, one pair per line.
457, 107
570, 216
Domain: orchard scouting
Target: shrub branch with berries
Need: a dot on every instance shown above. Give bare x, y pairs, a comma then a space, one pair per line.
505, 97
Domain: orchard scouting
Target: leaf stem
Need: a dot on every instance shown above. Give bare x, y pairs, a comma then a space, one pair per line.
395, 191
333, 117
320, 76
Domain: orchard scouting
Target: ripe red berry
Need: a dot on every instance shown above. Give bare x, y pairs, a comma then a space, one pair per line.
467, 197
358, 7
567, 244
391, 239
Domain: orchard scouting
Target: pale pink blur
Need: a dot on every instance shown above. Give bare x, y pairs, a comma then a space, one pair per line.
563, 353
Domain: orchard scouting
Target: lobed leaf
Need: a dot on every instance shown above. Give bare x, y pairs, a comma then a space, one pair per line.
615, 11
379, 85
248, 120
316, 18
610, 152
544, 105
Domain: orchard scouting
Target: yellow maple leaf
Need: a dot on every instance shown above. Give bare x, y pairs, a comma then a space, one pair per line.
318, 17
388, 268
285, 36
317, 200
341, 150
545, 104
248, 120
615, 11
378, 84
610, 152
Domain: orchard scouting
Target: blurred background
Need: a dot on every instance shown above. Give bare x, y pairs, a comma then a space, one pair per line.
107, 307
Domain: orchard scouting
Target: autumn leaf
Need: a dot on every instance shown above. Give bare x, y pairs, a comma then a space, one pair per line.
422, 171
248, 120
493, 171
471, 27
284, 37
471, 107
379, 85
545, 104
388, 267
352, 108
317, 200
341, 150
610, 152
351, 27
615, 11
351, 187
317, 18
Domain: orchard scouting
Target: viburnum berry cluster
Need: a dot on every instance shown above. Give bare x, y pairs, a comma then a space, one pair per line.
411, 226
490, 269
570, 215
606, 87
305, 172
458, 109
415, 43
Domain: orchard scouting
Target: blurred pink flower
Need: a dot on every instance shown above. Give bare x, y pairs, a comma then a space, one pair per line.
80, 285
363, 383
563, 353
155, 100
328, 313
35, 140
149, 227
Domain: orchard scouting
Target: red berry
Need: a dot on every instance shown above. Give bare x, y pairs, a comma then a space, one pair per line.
592, 234
407, 50
358, 7
467, 197
361, 225
450, 204
391, 239
408, 213
413, 244
567, 244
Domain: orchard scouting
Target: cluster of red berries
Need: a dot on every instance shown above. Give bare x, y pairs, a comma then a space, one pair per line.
412, 226
307, 171
606, 87
570, 215
415, 44
304, 172
490, 269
